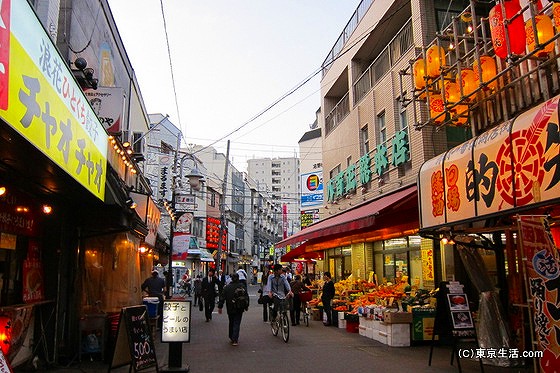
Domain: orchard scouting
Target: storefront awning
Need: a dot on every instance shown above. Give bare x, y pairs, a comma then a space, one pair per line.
361, 218
510, 168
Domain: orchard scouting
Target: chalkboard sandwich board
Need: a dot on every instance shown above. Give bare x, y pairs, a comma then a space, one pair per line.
134, 343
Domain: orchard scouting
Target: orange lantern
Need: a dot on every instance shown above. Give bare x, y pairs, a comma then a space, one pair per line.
419, 72
545, 32
515, 31
453, 96
556, 15
437, 108
489, 71
468, 81
435, 57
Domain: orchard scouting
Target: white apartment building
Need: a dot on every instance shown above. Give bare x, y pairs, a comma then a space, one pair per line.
282, 178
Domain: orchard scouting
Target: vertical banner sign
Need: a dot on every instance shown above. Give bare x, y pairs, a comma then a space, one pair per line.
542, 271
285, 221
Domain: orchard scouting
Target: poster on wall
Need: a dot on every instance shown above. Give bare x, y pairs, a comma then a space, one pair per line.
33, 280
542, 271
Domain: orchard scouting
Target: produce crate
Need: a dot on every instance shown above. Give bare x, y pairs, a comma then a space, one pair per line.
397, 317
342, 324
316, 314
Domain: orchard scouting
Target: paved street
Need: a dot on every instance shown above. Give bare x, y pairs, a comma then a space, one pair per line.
313, 349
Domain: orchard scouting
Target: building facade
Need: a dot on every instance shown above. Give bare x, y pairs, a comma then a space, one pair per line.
281, 178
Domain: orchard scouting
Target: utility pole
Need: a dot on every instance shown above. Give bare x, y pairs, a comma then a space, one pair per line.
169, 278
223, 212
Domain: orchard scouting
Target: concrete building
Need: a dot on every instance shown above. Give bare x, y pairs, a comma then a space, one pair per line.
233, 210
281, 176
440, 160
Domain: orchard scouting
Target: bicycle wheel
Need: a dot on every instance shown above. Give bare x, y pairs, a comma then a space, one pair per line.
285, 327
274, 325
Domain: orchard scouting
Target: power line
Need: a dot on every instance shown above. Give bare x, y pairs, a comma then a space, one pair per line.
170, 65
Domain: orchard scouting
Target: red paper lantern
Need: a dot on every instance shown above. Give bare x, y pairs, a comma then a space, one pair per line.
515, 31
5, 334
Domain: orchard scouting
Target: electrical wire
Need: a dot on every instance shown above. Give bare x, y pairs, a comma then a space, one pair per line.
170, 64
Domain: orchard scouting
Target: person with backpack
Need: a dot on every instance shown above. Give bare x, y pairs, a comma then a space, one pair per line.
236, 299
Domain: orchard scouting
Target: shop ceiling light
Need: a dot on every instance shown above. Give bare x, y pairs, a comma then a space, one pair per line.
47, 209
2, 190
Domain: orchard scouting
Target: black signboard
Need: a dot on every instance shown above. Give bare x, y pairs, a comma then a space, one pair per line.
134, 343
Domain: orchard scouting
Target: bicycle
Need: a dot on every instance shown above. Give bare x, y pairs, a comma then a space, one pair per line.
305, 296
280, 322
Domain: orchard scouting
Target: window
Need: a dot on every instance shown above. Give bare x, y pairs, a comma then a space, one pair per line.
381, 129
137, 142
364, 140
165, 148
335, 171
348, 161
403, 119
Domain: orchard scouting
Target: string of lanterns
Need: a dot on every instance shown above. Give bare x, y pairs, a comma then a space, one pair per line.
448, 94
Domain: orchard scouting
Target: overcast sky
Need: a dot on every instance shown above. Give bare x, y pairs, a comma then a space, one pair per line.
231, 60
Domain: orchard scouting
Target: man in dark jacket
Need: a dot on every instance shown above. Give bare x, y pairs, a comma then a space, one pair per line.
209, 288
234, 314
327, 297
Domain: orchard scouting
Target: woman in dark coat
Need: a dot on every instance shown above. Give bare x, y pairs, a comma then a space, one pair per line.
327, 297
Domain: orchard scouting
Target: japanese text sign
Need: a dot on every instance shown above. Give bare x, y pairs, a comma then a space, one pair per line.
512, 165
41, 100
176, 326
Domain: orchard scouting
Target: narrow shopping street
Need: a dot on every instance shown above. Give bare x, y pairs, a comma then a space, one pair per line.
310, 349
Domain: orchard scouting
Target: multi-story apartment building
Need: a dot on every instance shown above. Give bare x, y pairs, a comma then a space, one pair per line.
263, 222
281, 178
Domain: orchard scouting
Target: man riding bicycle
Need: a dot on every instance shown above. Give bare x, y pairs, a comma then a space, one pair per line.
279, 288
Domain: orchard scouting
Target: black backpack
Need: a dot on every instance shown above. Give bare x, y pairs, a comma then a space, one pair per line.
240, 299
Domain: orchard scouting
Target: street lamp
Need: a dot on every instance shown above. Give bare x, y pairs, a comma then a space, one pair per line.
195, 179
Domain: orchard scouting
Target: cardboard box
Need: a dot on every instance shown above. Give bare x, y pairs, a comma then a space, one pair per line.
398, 335
341, 324
316, 314
397, 317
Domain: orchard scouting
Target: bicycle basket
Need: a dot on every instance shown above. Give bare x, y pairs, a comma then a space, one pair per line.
305, 296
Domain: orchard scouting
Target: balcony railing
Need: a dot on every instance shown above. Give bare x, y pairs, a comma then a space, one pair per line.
346, 33
337, 114
396, 48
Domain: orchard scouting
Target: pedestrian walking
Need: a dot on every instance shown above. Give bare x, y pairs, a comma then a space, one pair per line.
297, 287
236, 300
210, 288
242, 276
197, 284
264, 293
327, 297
